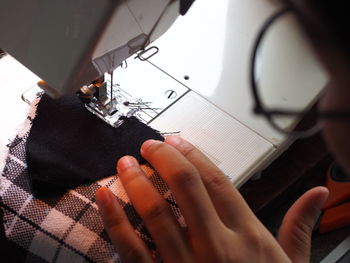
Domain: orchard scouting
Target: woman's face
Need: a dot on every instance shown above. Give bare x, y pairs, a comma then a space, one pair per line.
337, 133
334, 54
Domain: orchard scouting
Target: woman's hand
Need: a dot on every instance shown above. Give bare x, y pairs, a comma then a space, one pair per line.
220, 225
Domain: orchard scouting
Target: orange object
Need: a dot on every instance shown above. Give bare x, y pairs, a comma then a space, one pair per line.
335, 218
337, 208
338, 186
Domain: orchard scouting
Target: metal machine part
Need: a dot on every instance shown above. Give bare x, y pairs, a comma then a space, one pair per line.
110, 102
131, 95
113, 99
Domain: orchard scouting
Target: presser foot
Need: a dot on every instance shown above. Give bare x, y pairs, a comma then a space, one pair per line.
111, 103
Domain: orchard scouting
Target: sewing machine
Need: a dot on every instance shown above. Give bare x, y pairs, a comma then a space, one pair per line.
193, 80
71, 45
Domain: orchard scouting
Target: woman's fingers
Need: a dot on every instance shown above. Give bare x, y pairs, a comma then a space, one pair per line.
296, 229
206, 238
228, 202
130, 247
185, 182
154, 211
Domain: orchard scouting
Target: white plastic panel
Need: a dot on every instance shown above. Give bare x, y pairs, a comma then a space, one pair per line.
212, 45
133, 18
290, 77
147, 84
121, 29
234, 148
14, 80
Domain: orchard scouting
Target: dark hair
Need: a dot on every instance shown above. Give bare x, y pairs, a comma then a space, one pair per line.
325, 20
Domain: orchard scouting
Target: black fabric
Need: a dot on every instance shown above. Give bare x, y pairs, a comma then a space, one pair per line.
68, 146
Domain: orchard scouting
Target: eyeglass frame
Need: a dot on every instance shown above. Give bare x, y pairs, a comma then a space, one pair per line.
260, 109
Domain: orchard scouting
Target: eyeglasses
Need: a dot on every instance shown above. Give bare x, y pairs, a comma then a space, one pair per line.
2, 53
272, 114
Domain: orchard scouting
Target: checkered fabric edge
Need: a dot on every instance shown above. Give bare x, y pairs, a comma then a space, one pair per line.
64, 227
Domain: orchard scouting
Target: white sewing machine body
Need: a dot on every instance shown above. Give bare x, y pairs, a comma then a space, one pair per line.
72, 43
198, 83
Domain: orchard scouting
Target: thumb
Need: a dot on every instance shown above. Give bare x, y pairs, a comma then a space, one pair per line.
296, 229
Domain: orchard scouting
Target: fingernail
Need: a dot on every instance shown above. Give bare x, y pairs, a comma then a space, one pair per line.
147, 144
126, 162
174, 140
103, 198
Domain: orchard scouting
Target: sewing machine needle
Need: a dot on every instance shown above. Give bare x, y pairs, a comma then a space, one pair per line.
111, 97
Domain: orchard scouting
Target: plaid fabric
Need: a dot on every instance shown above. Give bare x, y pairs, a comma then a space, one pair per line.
64, 227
